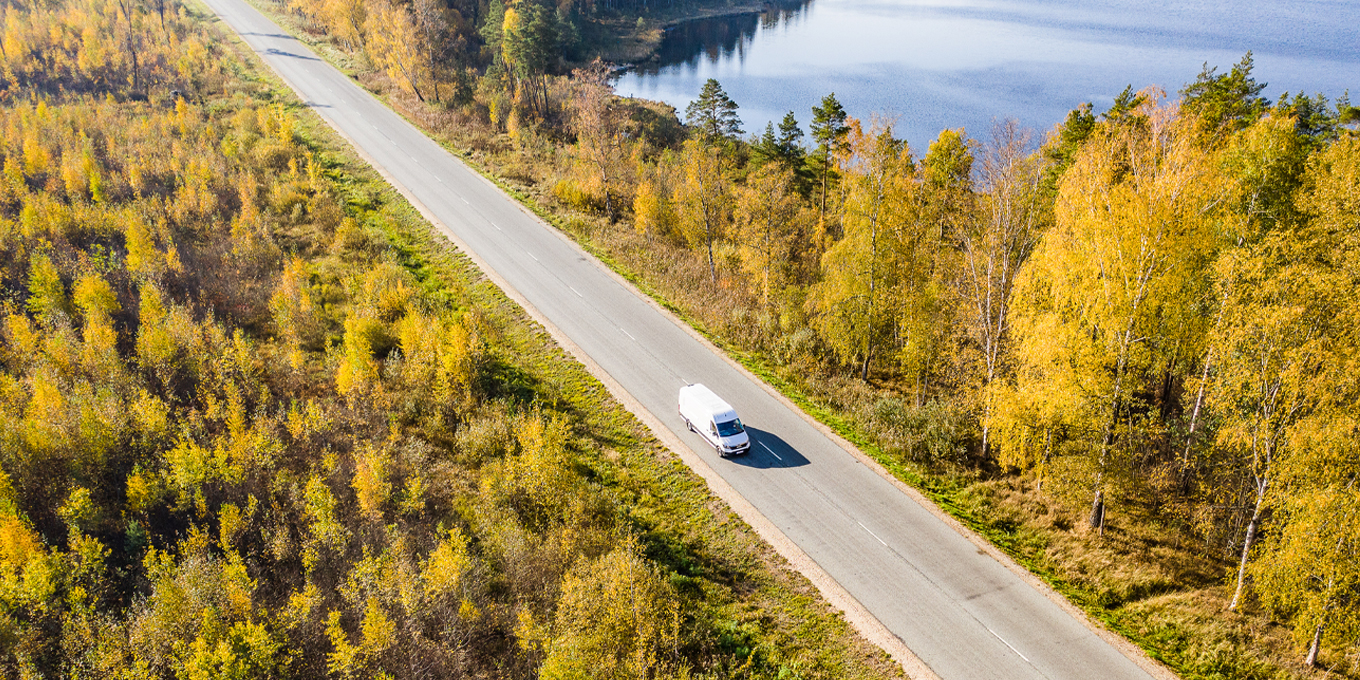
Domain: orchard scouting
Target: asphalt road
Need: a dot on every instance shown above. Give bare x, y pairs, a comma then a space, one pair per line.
959, 610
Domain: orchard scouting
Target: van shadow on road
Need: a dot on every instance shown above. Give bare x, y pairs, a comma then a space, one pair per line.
769, 451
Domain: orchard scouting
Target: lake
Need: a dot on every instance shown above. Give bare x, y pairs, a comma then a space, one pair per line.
967, 63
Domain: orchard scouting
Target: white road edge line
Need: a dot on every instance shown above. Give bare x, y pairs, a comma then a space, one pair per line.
772, 453
861, 525
1003, 641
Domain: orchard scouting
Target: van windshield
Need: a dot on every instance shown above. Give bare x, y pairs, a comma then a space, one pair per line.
729, 428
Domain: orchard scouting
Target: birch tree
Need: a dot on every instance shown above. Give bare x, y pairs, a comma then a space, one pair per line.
395, 44
768, 220
1010, 217
1309, 568
1271, 339
704, 199
1262, 166
599, 133
854, 301
1110, 285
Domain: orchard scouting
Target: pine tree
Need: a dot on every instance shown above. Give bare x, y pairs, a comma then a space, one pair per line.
713, 114
1227, 102
828, 131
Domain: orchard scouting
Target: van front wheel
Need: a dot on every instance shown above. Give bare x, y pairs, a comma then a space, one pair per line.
689, 425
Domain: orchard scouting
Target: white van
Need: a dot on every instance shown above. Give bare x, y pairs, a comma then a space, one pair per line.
714, 419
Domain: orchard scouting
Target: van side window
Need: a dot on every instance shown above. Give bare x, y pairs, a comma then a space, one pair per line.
712, 428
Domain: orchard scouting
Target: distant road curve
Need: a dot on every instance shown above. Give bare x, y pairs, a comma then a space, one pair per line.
943, 603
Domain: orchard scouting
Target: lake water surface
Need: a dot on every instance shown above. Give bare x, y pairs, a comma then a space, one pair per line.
935, 64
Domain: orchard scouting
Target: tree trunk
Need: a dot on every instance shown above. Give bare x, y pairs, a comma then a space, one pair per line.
864, 368
712, 268
1097, 520
1247, 542
986, 421
826, 169
1194, 421
1043, 467
1314, 649
609, 202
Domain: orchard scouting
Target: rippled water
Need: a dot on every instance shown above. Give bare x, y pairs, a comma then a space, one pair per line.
966, 63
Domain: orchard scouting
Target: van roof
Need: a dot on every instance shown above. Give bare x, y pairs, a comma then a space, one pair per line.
714, 404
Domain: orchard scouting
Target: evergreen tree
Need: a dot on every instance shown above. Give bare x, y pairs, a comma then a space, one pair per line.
783, 147
765, 149
790, 139
829, 131
529, 48
713, 114
1226, 102
1125, 107
1066, 140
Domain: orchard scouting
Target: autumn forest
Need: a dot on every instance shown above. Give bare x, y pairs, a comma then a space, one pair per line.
258, 420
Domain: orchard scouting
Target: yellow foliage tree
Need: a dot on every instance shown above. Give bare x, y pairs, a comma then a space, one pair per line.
617, 619
1108, 301
394, 43
704, 199
869, 276
769, 222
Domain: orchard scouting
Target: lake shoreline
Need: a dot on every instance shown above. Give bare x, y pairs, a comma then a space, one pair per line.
636, 47
935, 67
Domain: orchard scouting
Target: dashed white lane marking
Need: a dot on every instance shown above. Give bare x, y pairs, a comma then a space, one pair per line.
436, 177
861, 524
465, 200
772, 453
630, 335
497, 226
578, 293
1003, 641
531, 255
